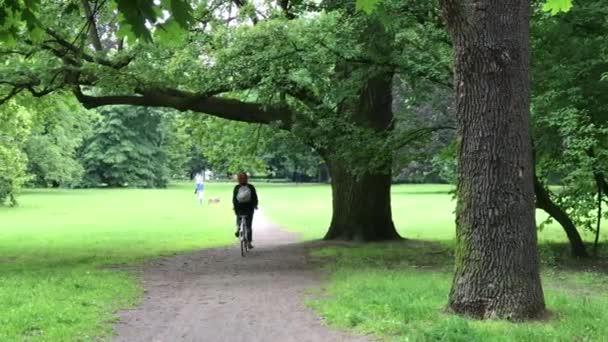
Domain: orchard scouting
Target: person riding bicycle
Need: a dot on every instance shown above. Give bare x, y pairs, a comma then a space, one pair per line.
245, 201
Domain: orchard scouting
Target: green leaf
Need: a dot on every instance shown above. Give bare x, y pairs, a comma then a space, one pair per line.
367, 6
71, 8
170, 34
557, 6
135, 14
181, 12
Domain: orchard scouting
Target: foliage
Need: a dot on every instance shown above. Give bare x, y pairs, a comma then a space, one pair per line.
553, 6
15, 125
178, 145
557, 6
230, 147
286, 61
445, 163
427, 154
125, 150
287, 157
60, 125
28, 15
569, 105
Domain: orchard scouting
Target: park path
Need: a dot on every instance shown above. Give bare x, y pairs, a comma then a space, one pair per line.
216, 295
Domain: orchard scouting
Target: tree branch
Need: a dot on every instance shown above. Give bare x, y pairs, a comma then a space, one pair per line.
14, 92
29, 85
240, 4
89, 58
93, 33
222, 107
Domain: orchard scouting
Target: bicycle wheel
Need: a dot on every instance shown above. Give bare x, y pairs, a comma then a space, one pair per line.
243, 237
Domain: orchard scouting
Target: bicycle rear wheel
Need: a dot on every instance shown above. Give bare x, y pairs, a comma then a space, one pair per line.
243, 247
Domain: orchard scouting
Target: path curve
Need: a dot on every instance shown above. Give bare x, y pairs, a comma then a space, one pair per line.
207, 295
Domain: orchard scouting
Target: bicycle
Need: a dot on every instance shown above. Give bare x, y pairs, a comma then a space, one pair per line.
243, 235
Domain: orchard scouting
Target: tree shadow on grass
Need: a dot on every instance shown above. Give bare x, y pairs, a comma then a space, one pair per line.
439, 255
557, 256
419, 254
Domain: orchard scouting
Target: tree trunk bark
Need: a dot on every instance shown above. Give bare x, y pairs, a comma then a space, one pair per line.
361, 206
497, 262
544, 202
362, 200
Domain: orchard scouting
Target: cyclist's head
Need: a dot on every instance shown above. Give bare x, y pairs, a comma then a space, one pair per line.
242, 178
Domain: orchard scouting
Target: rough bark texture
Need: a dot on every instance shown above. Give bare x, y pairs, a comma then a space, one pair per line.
362, 202
361, 206
544, 202
226, 108
497, 262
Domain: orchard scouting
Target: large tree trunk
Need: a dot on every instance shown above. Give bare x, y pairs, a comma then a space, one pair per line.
361, 206
362, 200
497, 262
544, 202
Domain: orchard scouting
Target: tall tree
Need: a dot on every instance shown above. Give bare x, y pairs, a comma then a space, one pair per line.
59, 127
497, 263
125, 150
326, 77
15, 124
569, 104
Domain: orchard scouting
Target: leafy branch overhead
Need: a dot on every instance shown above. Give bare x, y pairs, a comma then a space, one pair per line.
135, 17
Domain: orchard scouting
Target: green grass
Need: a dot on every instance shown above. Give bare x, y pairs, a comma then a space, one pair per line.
399, 291
63, 254
419, 211
67, 257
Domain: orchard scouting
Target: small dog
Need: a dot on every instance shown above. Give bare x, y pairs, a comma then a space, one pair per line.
213, 200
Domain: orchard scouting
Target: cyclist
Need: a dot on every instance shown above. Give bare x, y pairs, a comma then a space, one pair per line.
245, 201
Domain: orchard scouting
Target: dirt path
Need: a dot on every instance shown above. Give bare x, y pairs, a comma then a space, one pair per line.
215, 295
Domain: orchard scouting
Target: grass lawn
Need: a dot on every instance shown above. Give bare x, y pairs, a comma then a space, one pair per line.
66, 261
399, 290
419, 211
63, 254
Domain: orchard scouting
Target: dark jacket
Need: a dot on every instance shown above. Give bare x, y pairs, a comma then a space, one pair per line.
245, 208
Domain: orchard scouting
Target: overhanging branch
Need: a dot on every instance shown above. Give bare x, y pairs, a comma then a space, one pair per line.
222, 107
118, 64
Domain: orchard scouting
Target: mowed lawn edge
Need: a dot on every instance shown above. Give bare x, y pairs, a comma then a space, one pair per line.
398, 291
68, 258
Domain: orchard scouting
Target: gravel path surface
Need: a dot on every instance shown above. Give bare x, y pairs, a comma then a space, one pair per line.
216, 295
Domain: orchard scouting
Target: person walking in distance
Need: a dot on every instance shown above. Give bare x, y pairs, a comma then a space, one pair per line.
200, 187
245, 201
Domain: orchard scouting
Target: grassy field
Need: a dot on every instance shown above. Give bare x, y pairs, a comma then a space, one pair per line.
62, 254
419, 211
399, 290
67, 256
